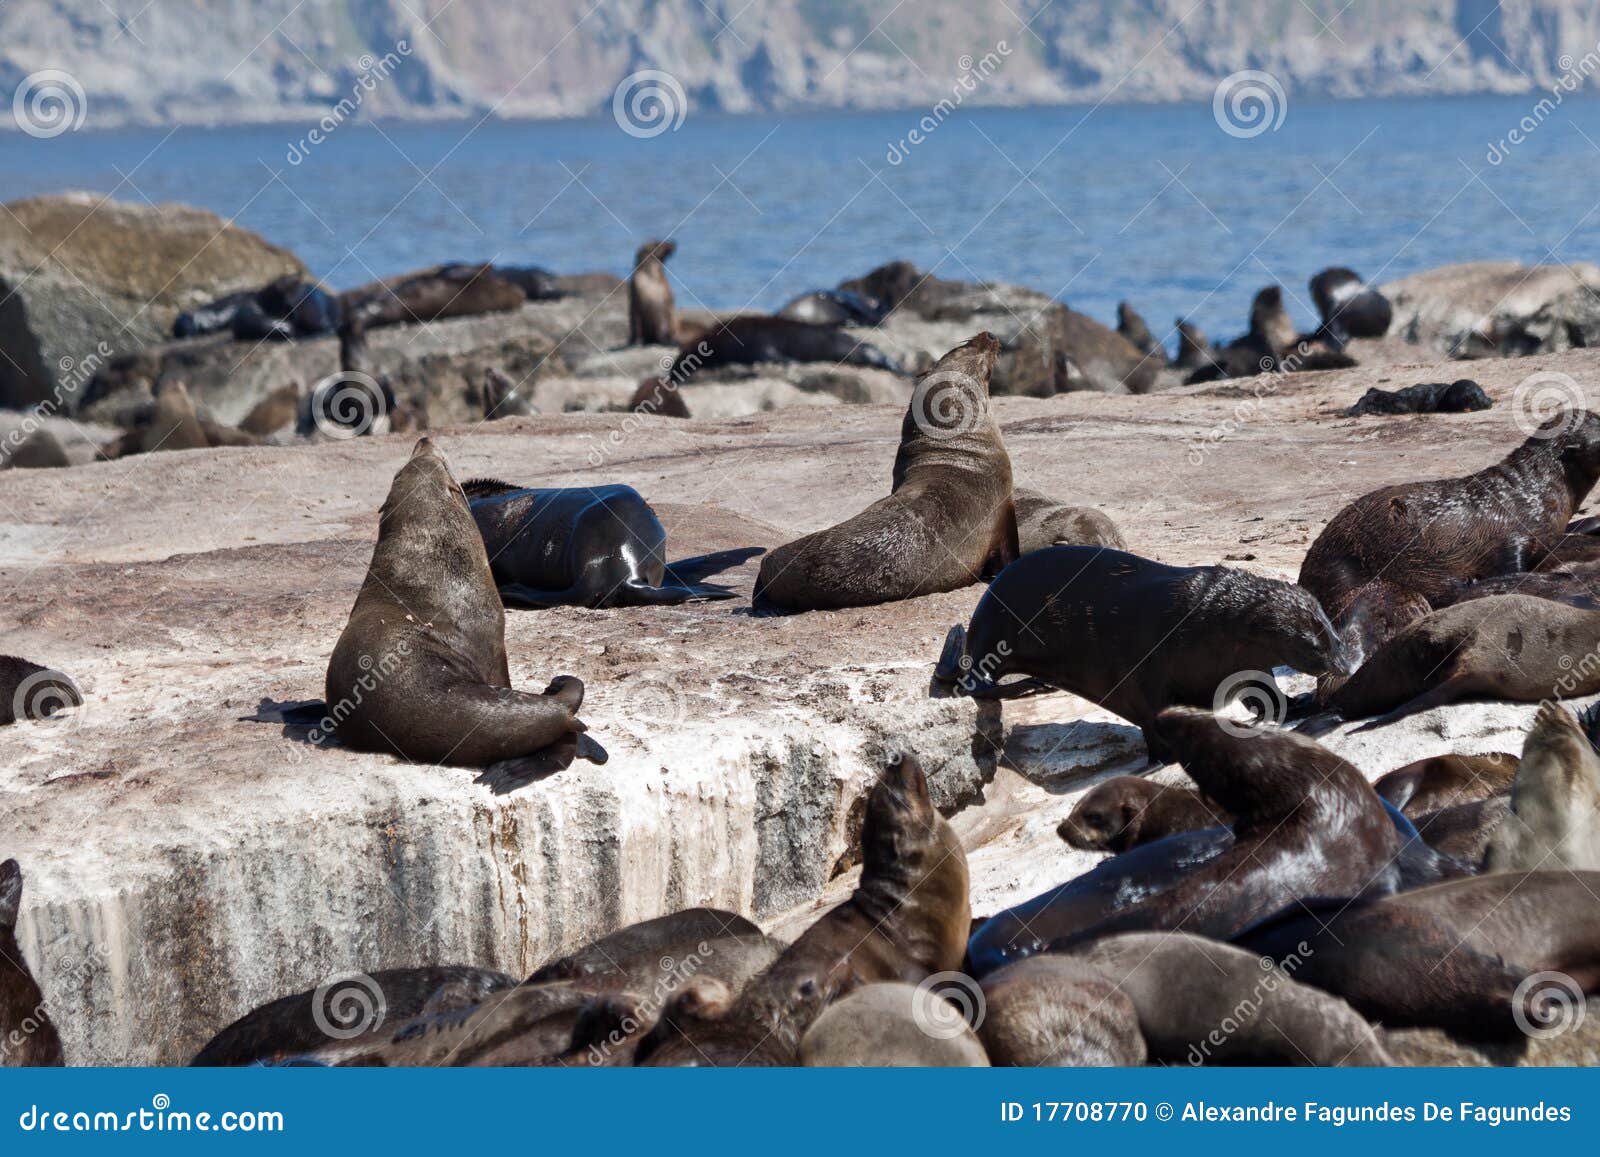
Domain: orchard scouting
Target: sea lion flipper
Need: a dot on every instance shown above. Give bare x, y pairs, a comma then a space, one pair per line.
509, 774
518, 595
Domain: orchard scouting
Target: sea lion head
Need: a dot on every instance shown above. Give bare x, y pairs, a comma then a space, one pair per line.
1575, 436
1107, 818
1269, 319
1286, 624
423, 484
655, 250
901, 830
948, 420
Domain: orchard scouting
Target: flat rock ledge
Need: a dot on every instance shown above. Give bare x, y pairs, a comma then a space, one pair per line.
184, 865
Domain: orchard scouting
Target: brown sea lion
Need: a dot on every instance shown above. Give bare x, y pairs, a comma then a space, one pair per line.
1133, 327
420, 670
1042, 522
1463, 830
1128, 810
1440, 781
1575, 590
757, 339
1506, 647
1390, 555
892, 1024
29, 691
1194, 1001
429, 294
948, 520
1051, 1011
1194, 348
39, 450
293, 1025
1136, 636
667, 935
907, 920
651, 320
27, 1035
1554, 820
1458, 955
503, 398
273, 412
1272, 345
658, 396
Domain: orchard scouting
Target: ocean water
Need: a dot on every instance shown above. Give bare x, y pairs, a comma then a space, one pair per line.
1157, 205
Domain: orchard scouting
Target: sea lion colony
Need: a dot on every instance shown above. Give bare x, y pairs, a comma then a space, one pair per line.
1281, 882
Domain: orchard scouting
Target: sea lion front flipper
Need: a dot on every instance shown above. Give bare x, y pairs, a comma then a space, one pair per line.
517, 595
509, 774
687, 572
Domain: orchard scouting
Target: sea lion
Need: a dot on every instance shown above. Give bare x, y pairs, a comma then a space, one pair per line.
751, 340
536, 284
1440, 781
590, 546
1273, 345
1194, 348
1042, 522
173, 423
835, 307
623, 951
1580, 590
1555, 799
1135, 636
1061, 350
1194, 1001
27, 1035
1462, 396
287, 307
428, 620
907, 920
1462, 831
214, 316
455, 290
1457, 955
1128, 810
948, 520
39, 450
503, 398
892, 1024
1393, 553
29, 691
1507, 647
292, 1025
1347, 305
1306, 823
658, 396
272, 413
356, 401
1133, 327
651, 320
1052, 1011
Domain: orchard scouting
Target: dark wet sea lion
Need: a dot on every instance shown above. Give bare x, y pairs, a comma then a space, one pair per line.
1462, 396
1554, 820
835, 307
1042, 522
1348, 305
1272, 345
1182, 990
1194, 348
429, 622
590, 546
907, 920
27, 1035
1453, 955
536, 284
1507, 647
753, 340
1580, 590
214, 316
651, 319
442, 291
289, 1026
1306, 823
947, 522
1131, 326
1128, 810
39, 450
29, 691
1426, 785
650, 938
1391, 554
1133, 635
892, 1024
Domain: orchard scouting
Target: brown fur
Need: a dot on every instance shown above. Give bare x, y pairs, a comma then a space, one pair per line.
1441, 781
1042, 522
273, 412
429, 294
1128, 810
651, 319
948, 520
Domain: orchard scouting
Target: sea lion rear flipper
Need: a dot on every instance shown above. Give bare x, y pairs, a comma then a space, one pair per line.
510, 774
689, 571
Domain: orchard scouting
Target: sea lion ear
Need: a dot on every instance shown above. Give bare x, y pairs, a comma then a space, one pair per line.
10, 894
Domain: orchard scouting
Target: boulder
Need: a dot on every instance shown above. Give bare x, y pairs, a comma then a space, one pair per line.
1498, 308
84, 279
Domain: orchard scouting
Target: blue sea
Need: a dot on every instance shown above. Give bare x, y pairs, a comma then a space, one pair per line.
1157, 205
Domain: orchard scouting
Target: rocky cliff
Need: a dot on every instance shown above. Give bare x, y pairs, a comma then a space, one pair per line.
205, 61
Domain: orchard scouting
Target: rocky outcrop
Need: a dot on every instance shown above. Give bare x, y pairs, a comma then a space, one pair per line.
1498, 308
84, 279
358, 58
